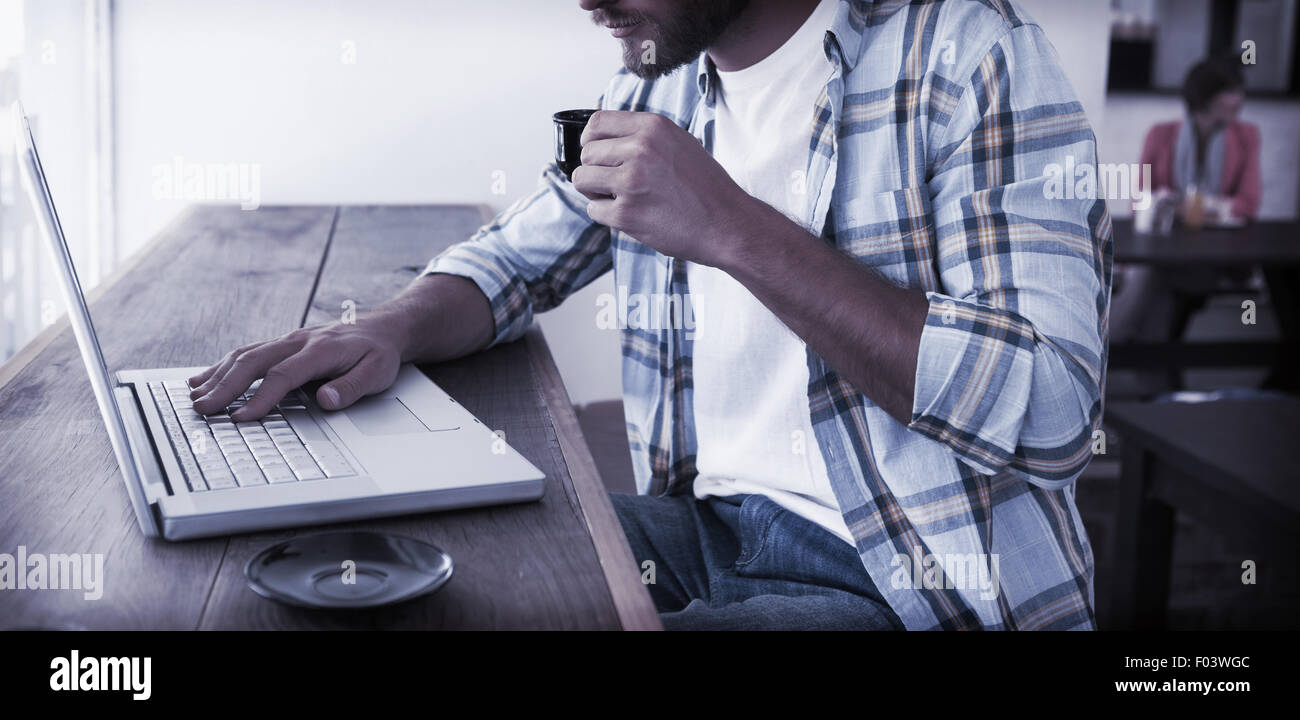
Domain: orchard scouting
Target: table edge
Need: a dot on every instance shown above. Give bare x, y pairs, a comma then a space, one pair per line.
631, 600
1210, 473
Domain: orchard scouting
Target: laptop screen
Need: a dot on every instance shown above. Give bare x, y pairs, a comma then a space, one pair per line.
47, 218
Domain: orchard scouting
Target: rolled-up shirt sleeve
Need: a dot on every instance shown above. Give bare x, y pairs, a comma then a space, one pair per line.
1011, 365
542, 249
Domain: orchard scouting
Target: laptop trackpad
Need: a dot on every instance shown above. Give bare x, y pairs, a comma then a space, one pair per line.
384, 416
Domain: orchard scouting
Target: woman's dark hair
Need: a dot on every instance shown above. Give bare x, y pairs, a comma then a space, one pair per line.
1209, 78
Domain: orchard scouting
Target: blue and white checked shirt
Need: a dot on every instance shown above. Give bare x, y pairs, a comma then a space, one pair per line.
927, 161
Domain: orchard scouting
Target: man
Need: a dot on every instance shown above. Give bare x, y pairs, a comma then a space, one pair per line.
876, 417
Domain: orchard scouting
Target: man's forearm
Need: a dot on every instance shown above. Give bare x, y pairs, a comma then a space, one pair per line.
439, 317
865, 327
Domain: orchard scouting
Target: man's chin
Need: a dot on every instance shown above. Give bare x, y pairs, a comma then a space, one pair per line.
646, 72
634, 62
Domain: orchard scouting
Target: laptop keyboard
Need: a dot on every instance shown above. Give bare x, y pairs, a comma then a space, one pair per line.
216, 453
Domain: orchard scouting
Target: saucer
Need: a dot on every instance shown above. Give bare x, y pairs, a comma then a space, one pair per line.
347, 569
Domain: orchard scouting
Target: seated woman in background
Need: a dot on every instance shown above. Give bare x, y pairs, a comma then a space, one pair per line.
1209, 150
1216, 156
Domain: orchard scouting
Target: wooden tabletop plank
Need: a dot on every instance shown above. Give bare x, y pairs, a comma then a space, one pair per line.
517, 566
219, 279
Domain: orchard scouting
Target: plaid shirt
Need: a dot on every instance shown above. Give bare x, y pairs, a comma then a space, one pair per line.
928, 157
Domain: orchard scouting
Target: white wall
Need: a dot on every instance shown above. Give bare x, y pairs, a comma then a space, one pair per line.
441, 95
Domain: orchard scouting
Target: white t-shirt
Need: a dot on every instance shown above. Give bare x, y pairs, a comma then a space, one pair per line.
750, 371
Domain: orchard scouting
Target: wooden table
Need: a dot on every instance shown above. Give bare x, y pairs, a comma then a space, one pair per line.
219, 278
1232, 465
1273, 247
1266, 243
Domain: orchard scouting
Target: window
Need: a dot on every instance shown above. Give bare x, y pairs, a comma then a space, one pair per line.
1155, 42
53, 57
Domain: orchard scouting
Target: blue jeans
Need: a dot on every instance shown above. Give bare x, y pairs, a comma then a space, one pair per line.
746, 563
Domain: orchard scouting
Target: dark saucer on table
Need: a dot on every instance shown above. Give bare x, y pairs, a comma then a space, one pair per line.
348, 569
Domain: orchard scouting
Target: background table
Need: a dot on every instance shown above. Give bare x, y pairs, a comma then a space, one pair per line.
218, 278
1273, 247
1267, 243
1231, 465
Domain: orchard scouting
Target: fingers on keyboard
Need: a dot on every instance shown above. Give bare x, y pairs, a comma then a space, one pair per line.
195, 381
286, 375
219, 452
240, 374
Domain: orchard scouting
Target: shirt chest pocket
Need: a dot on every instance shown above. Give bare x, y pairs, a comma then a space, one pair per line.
892, 232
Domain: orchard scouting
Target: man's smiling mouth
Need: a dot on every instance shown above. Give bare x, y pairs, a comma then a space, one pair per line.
622, 29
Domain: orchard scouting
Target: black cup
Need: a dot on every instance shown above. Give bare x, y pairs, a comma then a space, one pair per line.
569, 125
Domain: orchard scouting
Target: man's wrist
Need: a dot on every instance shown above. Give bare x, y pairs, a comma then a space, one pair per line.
397, 320
751, 240
438, 317
412, 316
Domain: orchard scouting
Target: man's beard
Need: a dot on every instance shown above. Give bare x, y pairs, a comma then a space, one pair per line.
678, 39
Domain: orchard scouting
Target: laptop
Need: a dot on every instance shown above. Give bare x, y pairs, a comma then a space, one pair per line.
407, 450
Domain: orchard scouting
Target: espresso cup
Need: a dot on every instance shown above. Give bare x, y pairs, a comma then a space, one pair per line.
569, 125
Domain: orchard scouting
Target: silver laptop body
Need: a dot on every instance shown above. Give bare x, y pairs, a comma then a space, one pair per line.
409, 449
